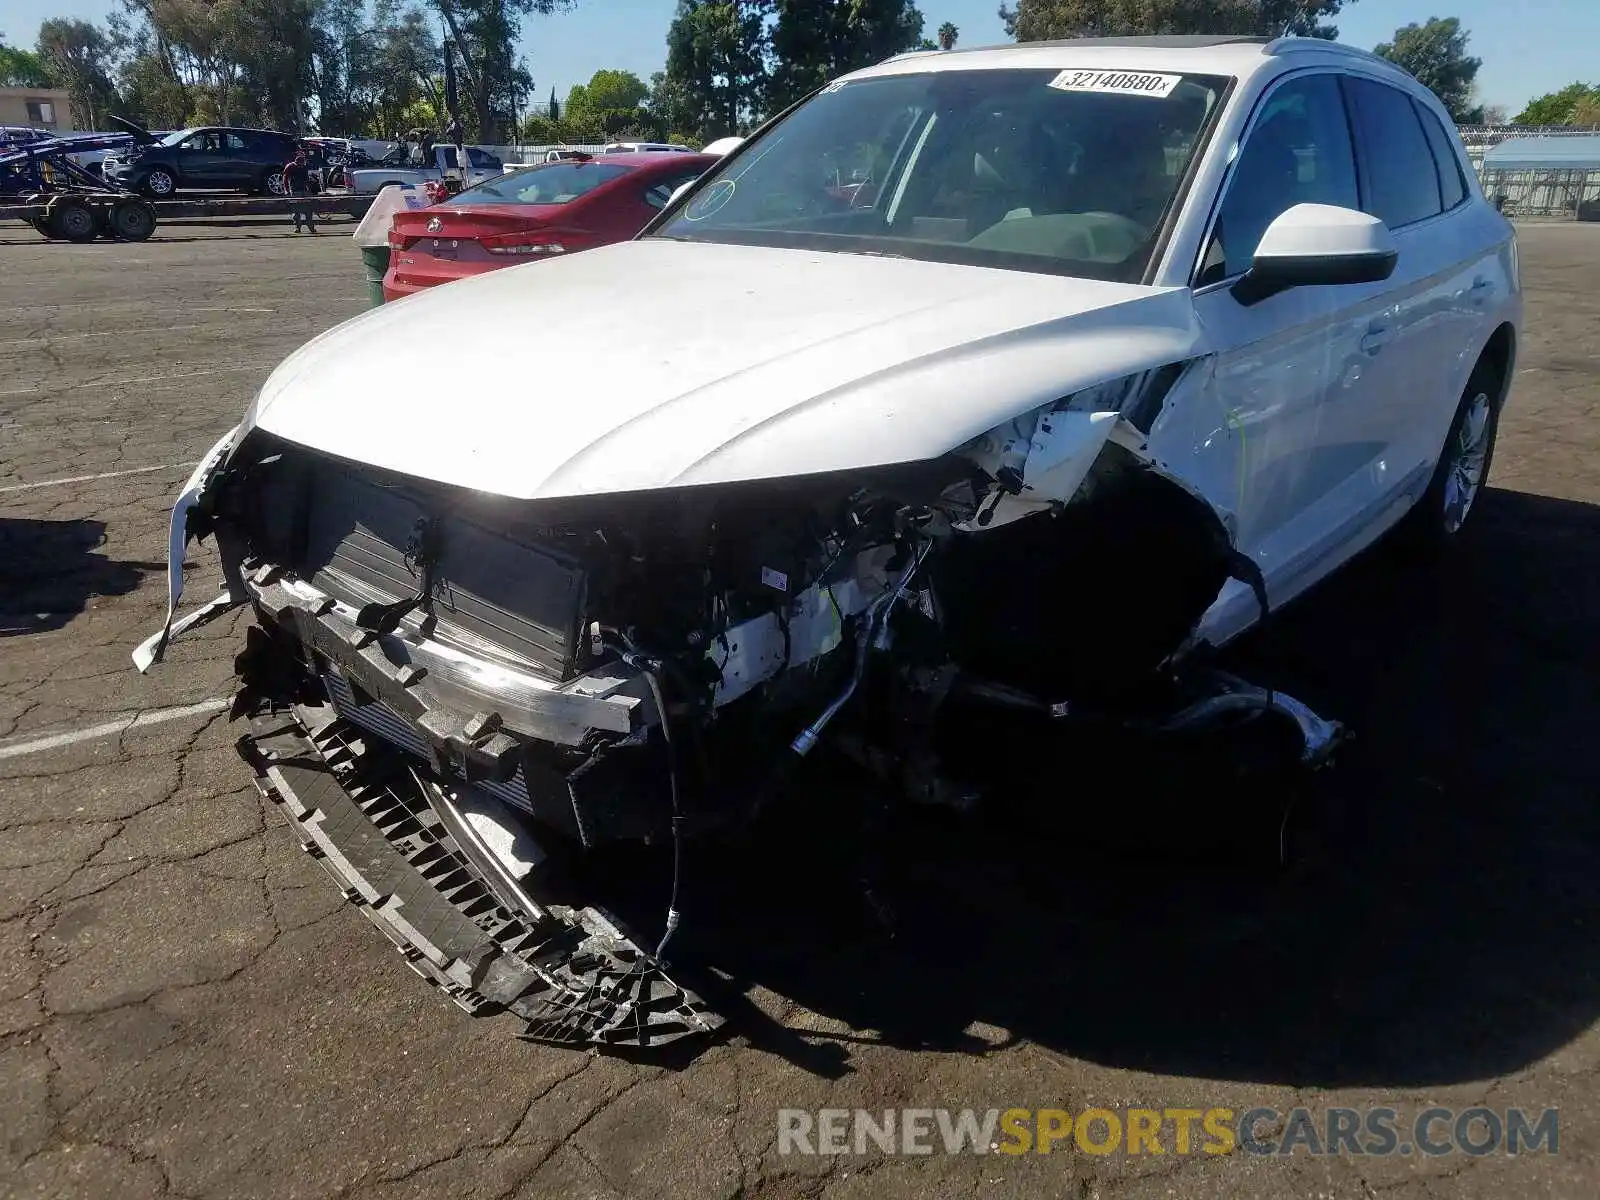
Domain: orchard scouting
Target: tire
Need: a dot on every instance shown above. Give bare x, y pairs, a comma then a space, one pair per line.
132, 220
159, 183
1441, 514
74, 221
41, 226
272, 182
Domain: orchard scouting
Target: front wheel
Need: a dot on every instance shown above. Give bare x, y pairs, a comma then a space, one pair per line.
1463, 467
159, 183
272, 184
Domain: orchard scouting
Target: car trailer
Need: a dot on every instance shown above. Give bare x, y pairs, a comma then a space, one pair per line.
62, 199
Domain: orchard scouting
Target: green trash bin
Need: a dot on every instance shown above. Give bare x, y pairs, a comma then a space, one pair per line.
376, 260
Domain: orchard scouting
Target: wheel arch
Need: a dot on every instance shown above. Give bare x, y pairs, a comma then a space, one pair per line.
1500, 351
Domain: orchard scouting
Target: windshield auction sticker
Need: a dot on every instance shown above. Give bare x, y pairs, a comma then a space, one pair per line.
1127, 83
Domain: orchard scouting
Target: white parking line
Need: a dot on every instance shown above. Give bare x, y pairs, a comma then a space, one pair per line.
96, 333
166, 378
167, 381
25, 487
54, 741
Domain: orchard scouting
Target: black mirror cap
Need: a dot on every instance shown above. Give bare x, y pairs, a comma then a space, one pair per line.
1269, 276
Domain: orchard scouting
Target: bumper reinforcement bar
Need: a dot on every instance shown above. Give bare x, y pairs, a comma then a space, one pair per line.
384, 834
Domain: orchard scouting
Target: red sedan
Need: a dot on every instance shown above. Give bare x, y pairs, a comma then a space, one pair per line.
555, 208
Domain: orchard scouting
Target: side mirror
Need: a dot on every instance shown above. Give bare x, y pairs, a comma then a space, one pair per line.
1316, 245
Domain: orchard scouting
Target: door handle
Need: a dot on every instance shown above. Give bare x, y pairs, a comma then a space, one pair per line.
1378, 336
1480, 289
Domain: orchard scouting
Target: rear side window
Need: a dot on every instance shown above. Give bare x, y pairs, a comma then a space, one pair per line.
659, 192
1297, 152
1402, 181
1452, 187
553, 183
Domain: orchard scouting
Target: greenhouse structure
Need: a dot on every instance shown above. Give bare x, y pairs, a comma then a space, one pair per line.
1544, 176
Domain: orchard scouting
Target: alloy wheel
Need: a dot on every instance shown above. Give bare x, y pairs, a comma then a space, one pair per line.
1469, 454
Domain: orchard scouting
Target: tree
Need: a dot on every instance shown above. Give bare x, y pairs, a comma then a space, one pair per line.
610, 104
22, 68
81, 57
948, 34
670, 107
484, 33
814, 41
607, 91
554, 110
1560, 108
1037, 20
717, 64
407, 66
1436, 53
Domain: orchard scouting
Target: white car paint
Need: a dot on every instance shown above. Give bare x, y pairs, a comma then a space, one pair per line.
1310, 421
906, 356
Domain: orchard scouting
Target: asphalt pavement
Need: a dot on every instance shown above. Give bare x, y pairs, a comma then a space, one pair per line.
187, 1007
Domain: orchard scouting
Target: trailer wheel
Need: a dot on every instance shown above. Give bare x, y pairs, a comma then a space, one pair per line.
73, 220
41, 225
133, 220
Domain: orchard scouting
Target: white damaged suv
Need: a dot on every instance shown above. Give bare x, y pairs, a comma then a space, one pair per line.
1014, 377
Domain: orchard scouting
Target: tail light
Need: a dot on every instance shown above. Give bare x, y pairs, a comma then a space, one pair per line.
397, 240
525, 242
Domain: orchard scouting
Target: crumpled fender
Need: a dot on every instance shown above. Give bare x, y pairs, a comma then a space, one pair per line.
153, 648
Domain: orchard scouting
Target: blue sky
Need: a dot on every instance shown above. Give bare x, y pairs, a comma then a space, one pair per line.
1527, 48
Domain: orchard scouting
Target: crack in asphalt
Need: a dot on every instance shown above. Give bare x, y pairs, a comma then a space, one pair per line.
255, 917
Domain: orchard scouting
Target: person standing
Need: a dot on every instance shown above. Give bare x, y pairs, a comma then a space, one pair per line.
297, 185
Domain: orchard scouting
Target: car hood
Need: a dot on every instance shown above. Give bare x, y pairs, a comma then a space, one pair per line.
141, 135
657, 363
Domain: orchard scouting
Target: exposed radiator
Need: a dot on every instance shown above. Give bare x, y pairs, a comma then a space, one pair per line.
349, 531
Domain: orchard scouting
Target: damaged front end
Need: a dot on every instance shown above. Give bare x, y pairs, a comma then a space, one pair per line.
447, 689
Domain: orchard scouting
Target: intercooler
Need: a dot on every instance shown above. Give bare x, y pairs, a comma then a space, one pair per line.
378, 718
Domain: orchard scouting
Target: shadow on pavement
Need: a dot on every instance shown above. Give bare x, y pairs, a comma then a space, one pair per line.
1435, 922
50, 569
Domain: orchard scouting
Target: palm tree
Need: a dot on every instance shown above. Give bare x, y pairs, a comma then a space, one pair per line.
947, 36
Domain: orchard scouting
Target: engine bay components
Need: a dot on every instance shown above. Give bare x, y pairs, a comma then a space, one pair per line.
452, 674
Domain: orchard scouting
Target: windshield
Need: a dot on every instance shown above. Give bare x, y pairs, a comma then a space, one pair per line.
172, 139
1065, 172
551, 183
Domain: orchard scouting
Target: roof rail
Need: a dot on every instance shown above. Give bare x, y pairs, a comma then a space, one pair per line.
1181, 41
1292, 45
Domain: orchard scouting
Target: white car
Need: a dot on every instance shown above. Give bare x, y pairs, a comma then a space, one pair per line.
441, 163
1105, 351
641, 147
